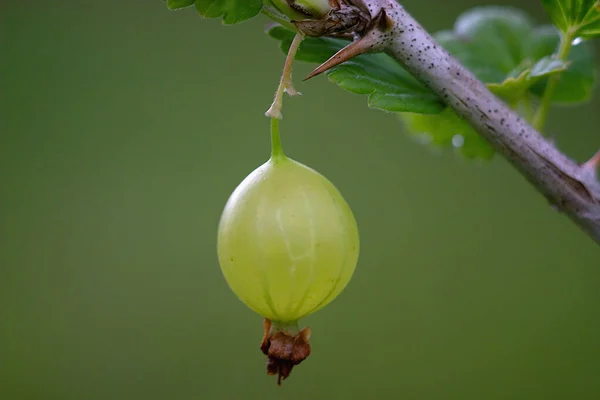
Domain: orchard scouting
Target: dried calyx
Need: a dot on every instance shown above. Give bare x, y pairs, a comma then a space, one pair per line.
344, 17
285, 346
317, 18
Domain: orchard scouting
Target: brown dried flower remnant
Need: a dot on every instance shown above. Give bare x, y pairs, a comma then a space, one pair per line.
345, 17
284, 349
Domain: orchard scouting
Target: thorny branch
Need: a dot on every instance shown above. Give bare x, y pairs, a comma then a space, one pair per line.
569, 187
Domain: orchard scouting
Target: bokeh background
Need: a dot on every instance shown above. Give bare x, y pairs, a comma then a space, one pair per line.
125, 127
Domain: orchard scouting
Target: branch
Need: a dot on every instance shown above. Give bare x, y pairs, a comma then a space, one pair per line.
571, 188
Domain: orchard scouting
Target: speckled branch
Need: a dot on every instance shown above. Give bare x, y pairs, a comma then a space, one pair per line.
571, 188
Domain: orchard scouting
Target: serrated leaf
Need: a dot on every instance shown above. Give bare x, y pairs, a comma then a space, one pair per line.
578, 18
389, 86
576, 84
232, 11
448, 129
177, 4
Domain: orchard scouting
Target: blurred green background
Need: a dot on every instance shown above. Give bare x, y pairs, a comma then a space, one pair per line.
125, 127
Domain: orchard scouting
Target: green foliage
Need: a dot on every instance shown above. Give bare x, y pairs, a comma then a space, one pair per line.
519, 81
575, 18
577, 82
388, 86
502, 29
232, 11
520, 50
177, 4
516, 70
447, 129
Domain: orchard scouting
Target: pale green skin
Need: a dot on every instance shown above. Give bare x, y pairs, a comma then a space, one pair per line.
288, 242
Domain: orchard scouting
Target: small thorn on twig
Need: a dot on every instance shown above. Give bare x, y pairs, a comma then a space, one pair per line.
352, 50
590, 167
371, 40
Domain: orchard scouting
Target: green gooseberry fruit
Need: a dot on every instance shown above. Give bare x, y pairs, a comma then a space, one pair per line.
288, 242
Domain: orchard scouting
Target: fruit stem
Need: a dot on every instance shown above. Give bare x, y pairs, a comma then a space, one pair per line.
276, 149
285, 84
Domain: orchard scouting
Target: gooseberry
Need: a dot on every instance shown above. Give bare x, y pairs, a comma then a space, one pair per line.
288, 242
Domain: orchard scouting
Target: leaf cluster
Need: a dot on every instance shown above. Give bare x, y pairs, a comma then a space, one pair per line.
502, 46
231, 11
517, 70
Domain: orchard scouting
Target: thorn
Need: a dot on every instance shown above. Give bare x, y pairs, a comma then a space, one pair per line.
352, 50
371, 40
594, 162
591, 166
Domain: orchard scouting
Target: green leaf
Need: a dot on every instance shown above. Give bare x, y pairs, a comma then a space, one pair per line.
177, 4
499, 28
546, 67
410, 102
516, 85
232, 11
389, 86
459, 47
577, 18
311, 50
576, 84
448, 129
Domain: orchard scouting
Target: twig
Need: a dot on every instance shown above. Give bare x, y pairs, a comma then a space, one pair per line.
569, 187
